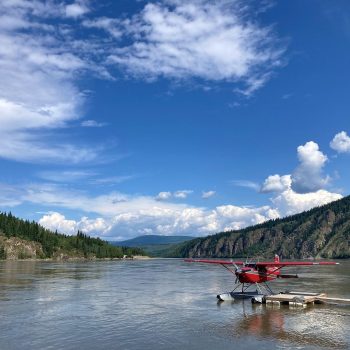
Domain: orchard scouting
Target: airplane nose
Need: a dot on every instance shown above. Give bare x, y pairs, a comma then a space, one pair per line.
243, 270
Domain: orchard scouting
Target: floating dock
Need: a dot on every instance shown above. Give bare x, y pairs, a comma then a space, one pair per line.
333, 300
302, 299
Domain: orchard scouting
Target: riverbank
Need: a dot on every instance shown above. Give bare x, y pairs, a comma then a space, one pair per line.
82, 259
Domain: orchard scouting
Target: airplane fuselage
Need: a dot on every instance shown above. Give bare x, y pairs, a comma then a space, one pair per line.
250, 274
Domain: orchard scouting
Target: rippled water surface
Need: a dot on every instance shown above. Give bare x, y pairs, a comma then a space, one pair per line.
160, 304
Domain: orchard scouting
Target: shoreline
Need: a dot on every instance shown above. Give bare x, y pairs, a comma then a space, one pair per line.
81, 259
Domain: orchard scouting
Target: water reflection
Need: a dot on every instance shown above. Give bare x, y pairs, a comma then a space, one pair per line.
288, 327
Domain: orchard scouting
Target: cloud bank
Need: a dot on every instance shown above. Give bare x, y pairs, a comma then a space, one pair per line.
125, 216
116, 215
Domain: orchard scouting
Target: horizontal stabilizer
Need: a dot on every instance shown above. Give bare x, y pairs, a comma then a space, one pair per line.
288, 276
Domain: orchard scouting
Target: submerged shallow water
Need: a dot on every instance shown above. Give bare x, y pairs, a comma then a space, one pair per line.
161, 304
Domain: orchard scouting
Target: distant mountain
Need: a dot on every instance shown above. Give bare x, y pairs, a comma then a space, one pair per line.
320, 232
152, 240
154, 245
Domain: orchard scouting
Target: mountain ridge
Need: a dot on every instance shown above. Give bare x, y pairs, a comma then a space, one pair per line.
152, 240
319, 232
154, 245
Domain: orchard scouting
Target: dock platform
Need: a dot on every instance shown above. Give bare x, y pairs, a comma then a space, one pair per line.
302, 299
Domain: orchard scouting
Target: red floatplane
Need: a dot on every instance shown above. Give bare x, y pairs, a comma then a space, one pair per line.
255, 274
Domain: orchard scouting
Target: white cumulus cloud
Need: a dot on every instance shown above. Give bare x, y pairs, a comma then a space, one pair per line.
235, 217
308, 176
304, 189
341, 142
290, 202
56, 221
276, 183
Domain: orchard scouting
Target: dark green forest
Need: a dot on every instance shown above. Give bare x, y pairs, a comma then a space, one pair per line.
53, 243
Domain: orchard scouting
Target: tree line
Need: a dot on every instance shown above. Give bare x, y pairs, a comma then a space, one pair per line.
54, 242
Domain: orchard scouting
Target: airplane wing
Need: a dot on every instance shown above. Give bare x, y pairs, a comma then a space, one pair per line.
294, 263
263, 264
212, 261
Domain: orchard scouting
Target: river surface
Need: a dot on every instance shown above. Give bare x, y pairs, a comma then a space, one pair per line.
161, 304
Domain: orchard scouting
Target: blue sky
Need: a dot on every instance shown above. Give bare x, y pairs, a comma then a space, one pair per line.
122, 118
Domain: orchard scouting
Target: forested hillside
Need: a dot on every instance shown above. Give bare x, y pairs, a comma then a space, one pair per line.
24, 239
320, 232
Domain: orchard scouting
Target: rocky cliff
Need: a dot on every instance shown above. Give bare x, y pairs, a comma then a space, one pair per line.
15, 248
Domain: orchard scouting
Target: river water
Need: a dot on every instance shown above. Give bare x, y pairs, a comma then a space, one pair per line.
160, 304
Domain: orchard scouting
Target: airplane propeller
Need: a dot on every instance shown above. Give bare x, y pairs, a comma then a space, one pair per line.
238, 271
